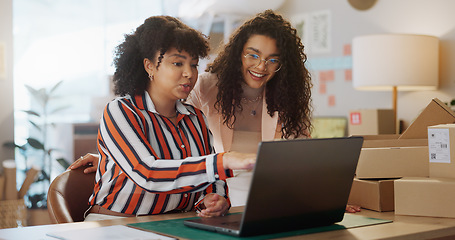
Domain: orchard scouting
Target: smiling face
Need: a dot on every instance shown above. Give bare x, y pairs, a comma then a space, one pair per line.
175, 76
256, 76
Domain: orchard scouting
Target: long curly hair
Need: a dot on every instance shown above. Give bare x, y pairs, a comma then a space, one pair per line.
156, 35
288, 92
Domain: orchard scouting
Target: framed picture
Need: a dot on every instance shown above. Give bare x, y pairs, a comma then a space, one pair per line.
329, 127
321, 31
301, 24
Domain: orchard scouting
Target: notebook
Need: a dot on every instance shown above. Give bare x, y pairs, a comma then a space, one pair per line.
296, 184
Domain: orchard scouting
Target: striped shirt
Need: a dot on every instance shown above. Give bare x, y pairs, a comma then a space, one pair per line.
148, 165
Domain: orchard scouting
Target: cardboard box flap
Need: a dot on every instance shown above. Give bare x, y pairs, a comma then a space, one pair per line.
395, 143
435, 113
380, 137
391, 140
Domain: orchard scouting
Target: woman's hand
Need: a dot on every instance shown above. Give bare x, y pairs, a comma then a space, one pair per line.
87, 160
215, 206
352, 208
238, 161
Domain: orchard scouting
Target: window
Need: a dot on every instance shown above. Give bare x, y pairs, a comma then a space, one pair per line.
69, 41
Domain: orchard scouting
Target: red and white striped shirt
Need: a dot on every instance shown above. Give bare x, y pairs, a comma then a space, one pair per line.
148, 165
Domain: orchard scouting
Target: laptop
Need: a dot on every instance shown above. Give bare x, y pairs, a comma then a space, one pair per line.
296, 184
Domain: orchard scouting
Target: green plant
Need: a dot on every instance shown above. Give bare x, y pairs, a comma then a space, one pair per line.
451, 104
40, 123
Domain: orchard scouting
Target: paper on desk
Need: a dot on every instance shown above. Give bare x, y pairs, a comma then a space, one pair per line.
108, 233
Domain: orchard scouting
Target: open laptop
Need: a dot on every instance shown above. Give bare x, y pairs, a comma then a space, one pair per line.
296, 184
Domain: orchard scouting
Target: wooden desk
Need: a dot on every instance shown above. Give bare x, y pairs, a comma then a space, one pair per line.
403, 227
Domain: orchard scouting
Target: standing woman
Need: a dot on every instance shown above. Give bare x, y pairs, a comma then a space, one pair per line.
257, 89
156, 153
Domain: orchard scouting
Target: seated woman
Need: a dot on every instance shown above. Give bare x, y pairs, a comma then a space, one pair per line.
156, 153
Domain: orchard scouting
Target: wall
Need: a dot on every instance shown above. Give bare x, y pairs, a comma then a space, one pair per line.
386, 16
6, 82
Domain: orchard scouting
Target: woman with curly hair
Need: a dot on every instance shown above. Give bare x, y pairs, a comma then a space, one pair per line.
257, 89
156, 153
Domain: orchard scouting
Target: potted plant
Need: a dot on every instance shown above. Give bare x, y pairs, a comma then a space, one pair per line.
452, 104
38, 143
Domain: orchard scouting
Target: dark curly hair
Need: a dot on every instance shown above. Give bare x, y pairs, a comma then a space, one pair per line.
156, 35
288, 92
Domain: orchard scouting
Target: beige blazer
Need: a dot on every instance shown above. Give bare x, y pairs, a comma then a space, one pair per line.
203, 96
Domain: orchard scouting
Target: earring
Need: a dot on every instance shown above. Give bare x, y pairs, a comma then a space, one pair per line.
151, 77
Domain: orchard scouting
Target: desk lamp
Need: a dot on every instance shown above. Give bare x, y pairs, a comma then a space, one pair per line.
395, 62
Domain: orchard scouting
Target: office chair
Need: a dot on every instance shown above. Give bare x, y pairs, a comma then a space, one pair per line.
68, 195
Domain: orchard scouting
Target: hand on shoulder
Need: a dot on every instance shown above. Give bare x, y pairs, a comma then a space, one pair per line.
88, 160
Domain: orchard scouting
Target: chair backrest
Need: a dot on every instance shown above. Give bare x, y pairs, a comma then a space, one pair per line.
68, 195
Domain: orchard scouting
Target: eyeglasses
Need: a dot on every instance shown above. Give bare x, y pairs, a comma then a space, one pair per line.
272, 64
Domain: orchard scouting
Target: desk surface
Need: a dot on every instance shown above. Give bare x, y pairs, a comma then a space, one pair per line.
402, 227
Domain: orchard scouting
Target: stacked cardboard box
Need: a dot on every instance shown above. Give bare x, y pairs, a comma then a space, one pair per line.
375, 195
390, 157
433, 196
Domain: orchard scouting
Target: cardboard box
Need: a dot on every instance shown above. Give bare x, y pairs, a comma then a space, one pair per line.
391, 140
393, 162
435, 113
441, 150
377, 195
389, 155
431, 197
371, 122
